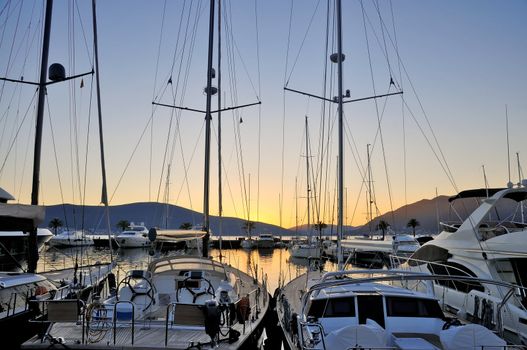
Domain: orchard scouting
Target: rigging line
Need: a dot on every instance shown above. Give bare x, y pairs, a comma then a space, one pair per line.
379, 130
323, 107
259, 113
185, 166
377, 7
61, 191
245, 69
331, 125
169, 132
405, 174
445, 167
184, 89
282, 169
130, 159
168, 77
226, 179
7, 5
450, 179
24, 163
236, 113
73, 107
10, 56
178, 79
17, 132
90, 58
153, 98
86, 152
25, 39
302, 43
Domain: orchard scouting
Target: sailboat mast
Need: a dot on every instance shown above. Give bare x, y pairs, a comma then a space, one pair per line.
41, 100
104, 194
307, 183
33, 250
220, 198
208, 117
340, 58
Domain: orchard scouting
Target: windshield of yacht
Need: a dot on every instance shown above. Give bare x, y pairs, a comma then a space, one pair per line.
514, 271
413, 307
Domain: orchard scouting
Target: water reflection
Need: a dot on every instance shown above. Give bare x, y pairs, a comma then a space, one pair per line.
276, 264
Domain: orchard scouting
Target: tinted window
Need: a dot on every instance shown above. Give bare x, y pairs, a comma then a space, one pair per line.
454, 269
334, 307
412, 307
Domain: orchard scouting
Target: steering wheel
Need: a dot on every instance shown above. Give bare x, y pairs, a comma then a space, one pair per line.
210, 289
135, 293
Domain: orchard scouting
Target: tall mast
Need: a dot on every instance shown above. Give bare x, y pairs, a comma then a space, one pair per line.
104, 194
340, 58
220, 198
208, 117
307, 183
33, 250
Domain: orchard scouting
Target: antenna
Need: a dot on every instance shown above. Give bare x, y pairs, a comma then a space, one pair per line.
509, 184
519, 169
486, 182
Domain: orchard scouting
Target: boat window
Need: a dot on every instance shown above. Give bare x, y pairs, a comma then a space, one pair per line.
454, 269
371, 307
14, 298
514, 271
413, 307
332, 307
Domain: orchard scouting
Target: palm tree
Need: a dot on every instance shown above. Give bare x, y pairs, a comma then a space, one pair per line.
413, 223
383, 226
55, 224
185, 226
248, 226
123, 225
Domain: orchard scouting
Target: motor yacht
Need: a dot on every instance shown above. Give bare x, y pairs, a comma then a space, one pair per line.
135, 236
73, 238
490, 243
265, 240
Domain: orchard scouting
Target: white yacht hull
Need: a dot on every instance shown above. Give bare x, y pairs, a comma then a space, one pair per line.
305, 251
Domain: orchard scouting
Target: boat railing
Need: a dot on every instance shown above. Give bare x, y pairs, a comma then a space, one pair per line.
318, 326
116, 316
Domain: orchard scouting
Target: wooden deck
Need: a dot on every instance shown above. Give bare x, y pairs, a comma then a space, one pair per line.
151, 334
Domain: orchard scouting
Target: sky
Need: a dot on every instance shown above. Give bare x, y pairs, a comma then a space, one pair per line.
460, 64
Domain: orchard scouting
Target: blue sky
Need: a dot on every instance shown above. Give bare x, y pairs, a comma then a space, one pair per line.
466, 60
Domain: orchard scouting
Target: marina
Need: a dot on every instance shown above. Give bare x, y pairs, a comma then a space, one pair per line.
202, 183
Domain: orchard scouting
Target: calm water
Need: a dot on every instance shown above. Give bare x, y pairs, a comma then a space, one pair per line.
277, 264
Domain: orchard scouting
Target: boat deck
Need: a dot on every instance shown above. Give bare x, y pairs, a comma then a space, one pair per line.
289, 302
152, 334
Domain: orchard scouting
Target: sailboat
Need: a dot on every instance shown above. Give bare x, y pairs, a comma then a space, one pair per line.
311, 248
353, 309
26, 298
179, 302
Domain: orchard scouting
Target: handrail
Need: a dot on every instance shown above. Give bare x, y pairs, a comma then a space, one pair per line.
115, 318
312, 324
170, 306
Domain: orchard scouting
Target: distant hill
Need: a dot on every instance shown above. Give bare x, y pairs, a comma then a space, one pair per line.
428, 211
152, 214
